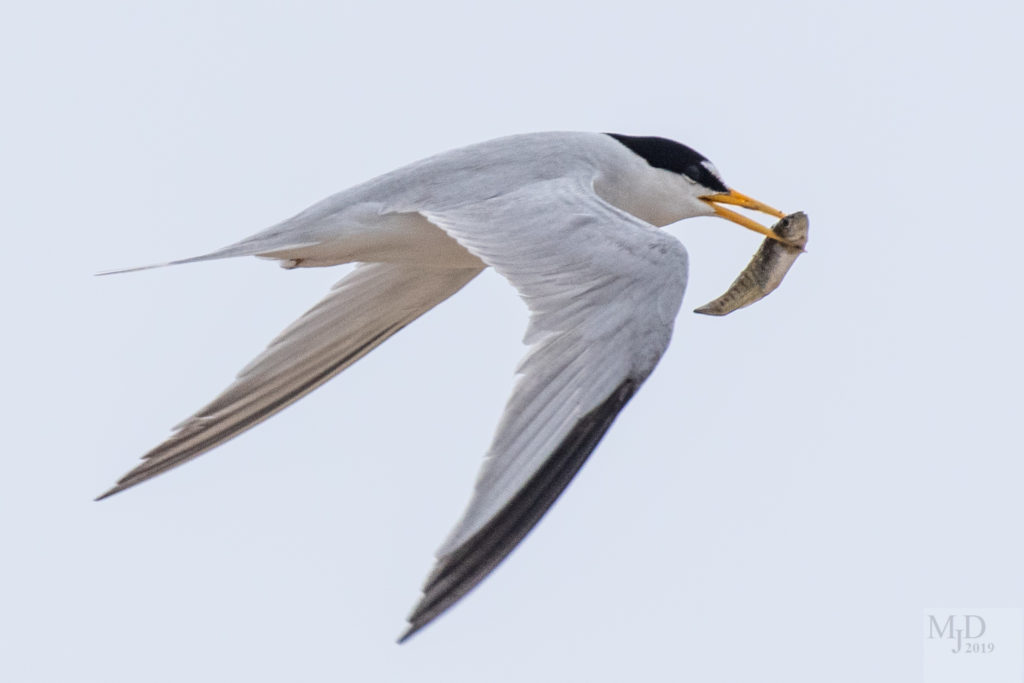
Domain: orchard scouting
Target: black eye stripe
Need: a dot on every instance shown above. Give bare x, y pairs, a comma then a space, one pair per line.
672, 156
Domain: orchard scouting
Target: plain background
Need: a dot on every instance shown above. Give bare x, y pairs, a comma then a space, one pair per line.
792, 487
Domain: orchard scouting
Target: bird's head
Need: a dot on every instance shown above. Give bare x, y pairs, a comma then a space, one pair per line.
696, 187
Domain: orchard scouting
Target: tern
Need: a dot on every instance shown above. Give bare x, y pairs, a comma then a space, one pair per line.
572, 221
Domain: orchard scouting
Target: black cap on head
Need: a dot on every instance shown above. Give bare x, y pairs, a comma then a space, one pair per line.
672, 156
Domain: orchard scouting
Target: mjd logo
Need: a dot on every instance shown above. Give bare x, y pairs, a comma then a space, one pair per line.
960, 644
960, 628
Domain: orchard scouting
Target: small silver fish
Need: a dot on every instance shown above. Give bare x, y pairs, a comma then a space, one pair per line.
765, 271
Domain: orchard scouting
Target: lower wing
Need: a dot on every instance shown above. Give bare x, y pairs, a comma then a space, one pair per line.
603, 290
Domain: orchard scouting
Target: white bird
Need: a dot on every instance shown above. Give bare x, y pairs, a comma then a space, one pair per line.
570, 220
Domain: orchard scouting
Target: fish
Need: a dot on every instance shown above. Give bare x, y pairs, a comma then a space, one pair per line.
765, 271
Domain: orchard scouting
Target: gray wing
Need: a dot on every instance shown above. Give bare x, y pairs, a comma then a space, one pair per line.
603, 289
366, 307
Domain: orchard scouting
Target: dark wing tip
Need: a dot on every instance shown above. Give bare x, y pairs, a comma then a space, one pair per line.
135, 476
409, 632
147, 469
460, 571
108, 494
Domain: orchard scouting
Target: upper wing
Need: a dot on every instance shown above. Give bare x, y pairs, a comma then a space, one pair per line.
366, 307
603, 289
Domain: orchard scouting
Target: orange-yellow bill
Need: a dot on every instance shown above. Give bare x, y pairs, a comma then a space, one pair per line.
739, 199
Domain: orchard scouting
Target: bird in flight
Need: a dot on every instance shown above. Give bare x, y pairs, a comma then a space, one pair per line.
571, 221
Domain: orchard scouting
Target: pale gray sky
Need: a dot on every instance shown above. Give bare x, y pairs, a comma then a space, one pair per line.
792, 487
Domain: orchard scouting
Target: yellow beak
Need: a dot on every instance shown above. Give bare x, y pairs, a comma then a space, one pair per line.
739, 199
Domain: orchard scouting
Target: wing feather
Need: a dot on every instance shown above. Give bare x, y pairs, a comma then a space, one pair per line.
457, 573
369, 305
603, 289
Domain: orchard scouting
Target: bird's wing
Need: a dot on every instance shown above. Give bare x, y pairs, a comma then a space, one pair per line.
366, 307
603, 289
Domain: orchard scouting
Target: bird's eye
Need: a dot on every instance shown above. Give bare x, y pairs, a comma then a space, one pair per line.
704, 173
695, 173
